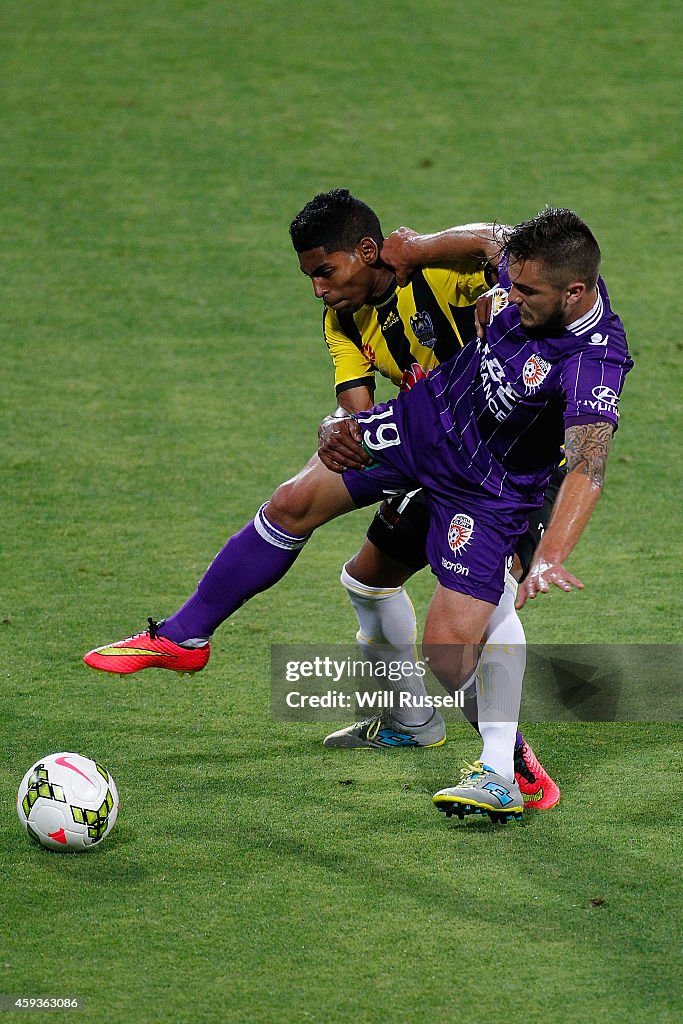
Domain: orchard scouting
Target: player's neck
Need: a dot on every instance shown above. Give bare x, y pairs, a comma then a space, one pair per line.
587, 302
384, 282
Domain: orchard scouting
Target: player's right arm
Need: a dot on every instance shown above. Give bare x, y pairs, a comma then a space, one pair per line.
405, 249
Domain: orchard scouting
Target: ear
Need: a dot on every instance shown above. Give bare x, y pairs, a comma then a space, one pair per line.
575, 292
368, 250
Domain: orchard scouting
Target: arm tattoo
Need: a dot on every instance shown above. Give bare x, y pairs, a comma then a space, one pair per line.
587, 448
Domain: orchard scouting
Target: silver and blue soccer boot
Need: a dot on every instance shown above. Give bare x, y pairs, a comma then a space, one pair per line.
383, 731
482, 791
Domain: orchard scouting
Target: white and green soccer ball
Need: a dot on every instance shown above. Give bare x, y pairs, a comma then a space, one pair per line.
68, 802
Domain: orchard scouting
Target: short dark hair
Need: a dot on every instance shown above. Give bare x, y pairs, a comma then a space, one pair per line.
334, 221
561, 241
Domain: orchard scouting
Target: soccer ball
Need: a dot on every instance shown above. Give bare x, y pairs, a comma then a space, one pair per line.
67, 802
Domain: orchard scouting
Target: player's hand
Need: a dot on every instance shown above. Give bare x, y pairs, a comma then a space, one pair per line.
483, 313
542, 575
400, 252
339, 444
489, 305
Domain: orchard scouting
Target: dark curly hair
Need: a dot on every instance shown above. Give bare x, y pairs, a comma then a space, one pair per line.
561, 241
334, 221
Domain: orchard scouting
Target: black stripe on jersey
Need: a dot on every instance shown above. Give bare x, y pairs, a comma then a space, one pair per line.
448, 341
394, 334
348, 326
464, 317
359, 382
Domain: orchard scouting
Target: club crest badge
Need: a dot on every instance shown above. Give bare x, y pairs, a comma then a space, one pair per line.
499, 300
423, 329
535, 372
460, 532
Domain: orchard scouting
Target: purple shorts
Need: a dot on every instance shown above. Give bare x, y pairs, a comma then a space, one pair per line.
471, 534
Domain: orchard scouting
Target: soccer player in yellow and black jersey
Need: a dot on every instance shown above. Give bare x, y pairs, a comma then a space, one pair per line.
403, 328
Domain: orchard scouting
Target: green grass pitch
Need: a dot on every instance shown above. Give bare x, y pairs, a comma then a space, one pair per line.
162, 370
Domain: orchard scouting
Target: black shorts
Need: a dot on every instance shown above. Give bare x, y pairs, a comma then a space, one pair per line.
399, 528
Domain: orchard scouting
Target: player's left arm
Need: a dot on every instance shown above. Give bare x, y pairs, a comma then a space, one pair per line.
587, 447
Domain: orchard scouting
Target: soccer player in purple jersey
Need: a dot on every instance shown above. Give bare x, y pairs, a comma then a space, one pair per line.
482, 436
482, 432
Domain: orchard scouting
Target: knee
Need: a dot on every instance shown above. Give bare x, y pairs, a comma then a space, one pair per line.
451, 663
290, 505
372, 568
352, 571
375, 591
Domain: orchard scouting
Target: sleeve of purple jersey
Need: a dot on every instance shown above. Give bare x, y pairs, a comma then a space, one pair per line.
592, 380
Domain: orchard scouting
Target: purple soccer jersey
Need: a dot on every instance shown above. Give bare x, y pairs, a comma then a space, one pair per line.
509, 403
483, 434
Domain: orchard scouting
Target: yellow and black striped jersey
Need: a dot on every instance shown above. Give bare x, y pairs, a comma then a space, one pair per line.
424, 322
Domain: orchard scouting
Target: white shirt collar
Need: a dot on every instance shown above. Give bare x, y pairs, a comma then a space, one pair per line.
589, 320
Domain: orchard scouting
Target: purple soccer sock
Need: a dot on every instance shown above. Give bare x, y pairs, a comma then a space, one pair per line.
519, 740
251, 561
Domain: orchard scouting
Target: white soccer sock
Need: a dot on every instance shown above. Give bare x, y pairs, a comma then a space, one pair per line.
499, 678
387, 633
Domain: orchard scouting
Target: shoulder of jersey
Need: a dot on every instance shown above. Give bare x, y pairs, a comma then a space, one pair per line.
600, 328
